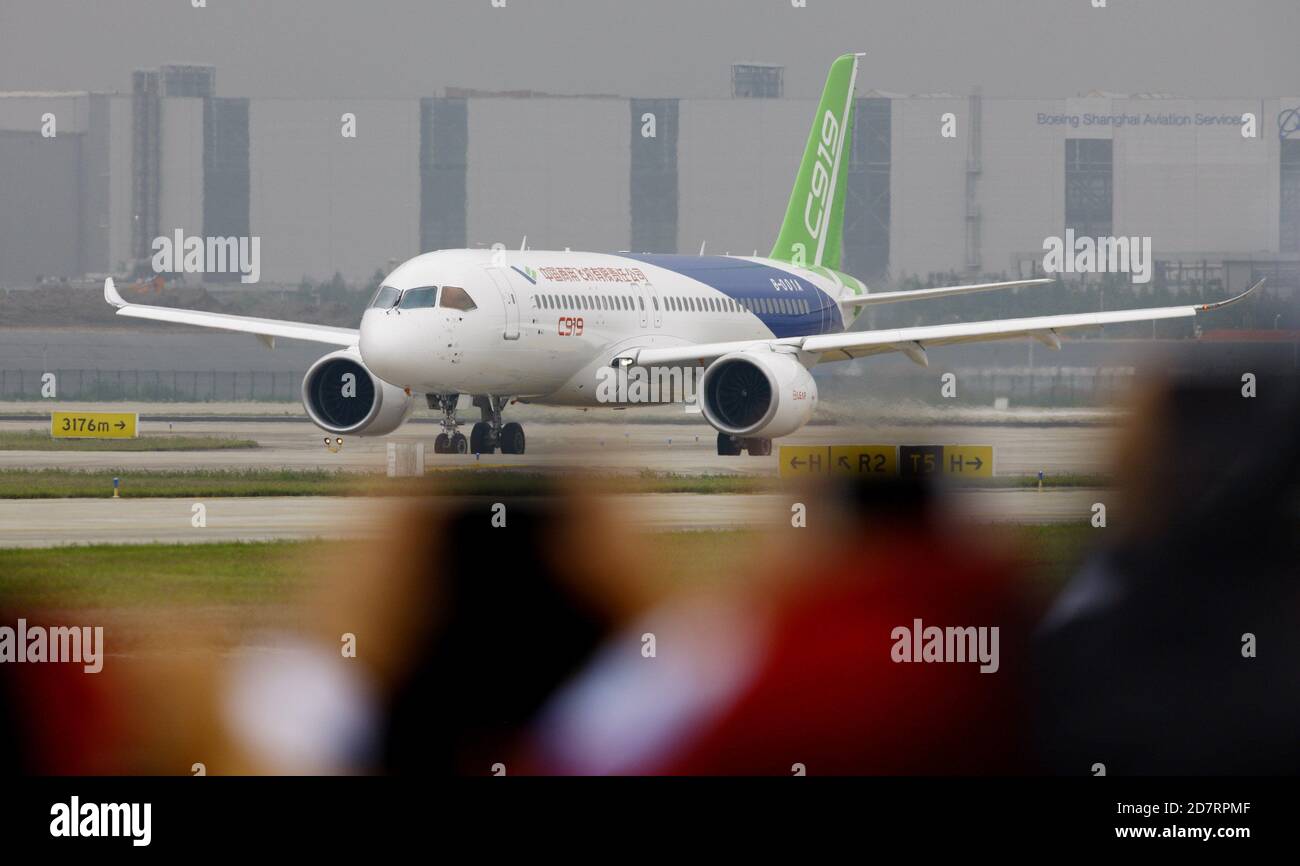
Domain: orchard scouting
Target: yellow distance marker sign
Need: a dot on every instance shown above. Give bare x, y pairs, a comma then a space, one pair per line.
94, 425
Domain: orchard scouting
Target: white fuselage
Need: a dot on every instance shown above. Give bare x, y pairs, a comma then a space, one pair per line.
545, 322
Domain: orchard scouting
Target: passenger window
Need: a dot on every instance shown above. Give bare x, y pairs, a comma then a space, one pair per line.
456, 298
416, 299
386, 298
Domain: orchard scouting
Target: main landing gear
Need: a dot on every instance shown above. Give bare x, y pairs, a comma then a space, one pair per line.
730, 446
485, 437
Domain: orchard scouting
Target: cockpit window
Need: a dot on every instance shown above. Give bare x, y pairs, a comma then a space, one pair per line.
385, 298
414, 299
457, 298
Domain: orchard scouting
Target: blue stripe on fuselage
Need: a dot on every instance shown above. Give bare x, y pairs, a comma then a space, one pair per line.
747, 281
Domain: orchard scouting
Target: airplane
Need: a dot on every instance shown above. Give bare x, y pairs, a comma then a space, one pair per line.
547, 327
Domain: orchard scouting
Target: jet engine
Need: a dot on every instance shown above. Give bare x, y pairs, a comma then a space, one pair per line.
342, 396
757, 394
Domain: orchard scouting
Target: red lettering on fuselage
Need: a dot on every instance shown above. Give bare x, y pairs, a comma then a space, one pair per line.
569, 326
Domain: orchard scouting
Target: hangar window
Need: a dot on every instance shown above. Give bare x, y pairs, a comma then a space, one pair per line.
1089, 186
386, 298
415, 299
456, 298
640, 303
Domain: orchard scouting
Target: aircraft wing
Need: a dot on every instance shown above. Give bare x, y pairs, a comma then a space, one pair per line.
940, 292
267, 329
913, 341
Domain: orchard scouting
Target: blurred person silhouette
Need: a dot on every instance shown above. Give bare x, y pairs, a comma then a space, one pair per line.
798, 671
55, 718
1176, 650
466, 615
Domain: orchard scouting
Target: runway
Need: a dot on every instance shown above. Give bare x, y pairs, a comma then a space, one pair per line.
684, 448
54, 522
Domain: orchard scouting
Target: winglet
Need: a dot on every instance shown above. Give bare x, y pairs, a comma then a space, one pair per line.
1219, 305
111, 295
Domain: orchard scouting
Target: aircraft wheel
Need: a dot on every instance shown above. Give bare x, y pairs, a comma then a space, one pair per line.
728, 445
512, 438
442, 444
758, 447
480, 438
459, 444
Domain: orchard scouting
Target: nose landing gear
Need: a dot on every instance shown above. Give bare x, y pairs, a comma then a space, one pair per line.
450, 440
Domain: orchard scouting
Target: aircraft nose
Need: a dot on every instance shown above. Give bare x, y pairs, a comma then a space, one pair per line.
381, 347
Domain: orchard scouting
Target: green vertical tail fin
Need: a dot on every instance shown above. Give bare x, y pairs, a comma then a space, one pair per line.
814, 219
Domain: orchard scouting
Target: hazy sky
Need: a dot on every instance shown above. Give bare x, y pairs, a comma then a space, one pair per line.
407, 48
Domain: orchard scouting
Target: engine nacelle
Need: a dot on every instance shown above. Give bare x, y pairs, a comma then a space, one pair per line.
757, 394
342, 396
